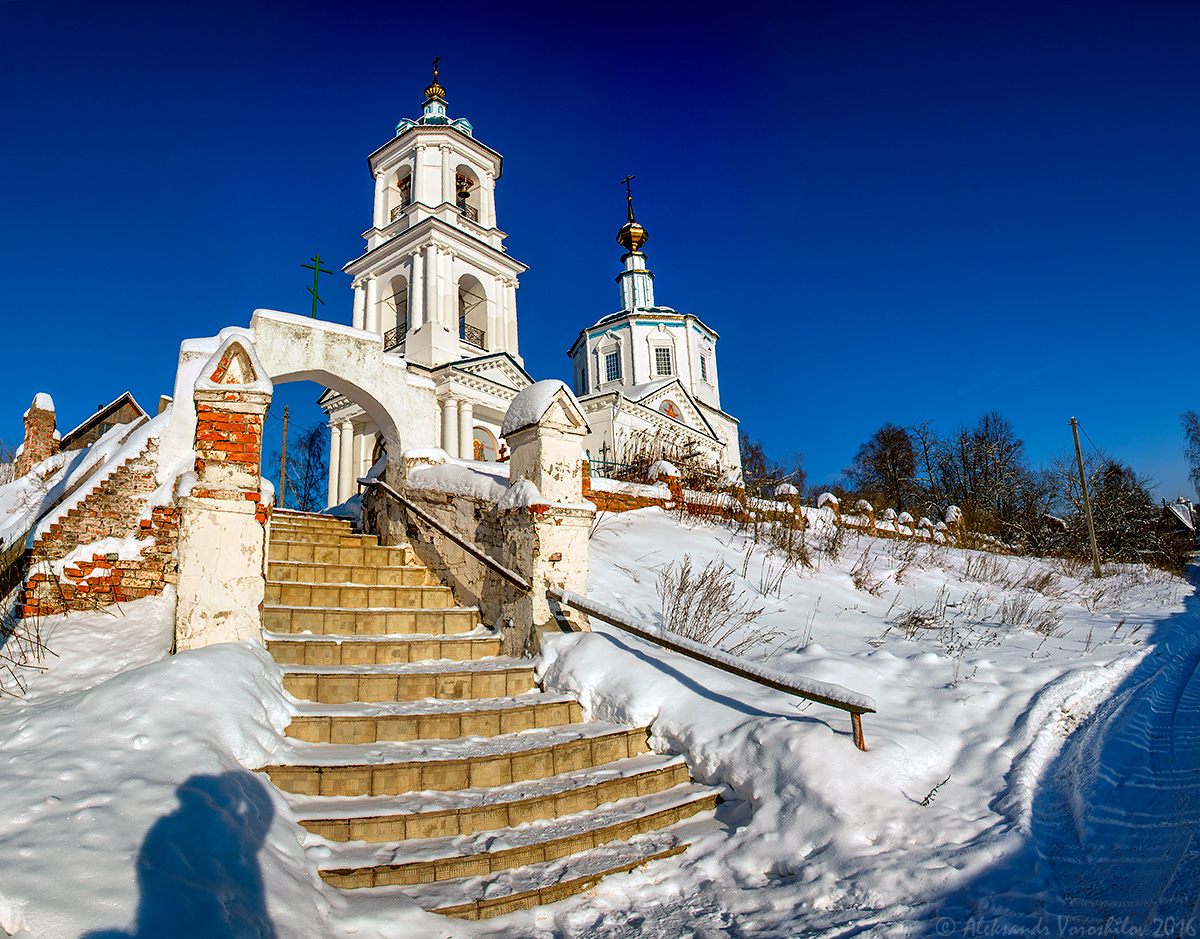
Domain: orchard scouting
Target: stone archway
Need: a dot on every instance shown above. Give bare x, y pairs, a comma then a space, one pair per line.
223, 387
351, 361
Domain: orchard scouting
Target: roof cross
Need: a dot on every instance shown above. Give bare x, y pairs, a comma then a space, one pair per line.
629, 194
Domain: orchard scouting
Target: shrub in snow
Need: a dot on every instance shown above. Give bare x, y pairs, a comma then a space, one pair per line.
706, 606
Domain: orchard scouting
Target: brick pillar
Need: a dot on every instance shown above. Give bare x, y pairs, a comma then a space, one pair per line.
222, 541
40, 441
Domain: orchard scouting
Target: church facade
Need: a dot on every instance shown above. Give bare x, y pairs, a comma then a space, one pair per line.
647, 377
437, 285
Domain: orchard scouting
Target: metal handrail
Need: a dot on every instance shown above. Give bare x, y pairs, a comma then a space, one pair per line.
511, 576
394, 336
472, 334
719, 660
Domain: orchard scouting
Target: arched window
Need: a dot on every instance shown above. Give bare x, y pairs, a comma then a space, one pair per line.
467, 192
394, 312
400, 193
472, 311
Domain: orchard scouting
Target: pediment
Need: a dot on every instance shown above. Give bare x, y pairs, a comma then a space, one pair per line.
500, 370
676, 402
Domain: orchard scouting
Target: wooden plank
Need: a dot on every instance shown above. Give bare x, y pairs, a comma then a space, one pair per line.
593, 609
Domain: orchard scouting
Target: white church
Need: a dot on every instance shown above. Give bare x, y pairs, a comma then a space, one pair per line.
437, 283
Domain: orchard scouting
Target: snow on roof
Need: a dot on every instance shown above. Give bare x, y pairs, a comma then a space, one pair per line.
1182, 513
531, 405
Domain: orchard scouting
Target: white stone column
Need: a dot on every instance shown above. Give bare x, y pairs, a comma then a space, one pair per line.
511, 319
448, 193
416, 292
359, 303
432, 313
466, 430
371, 313
380, 189
346, 463
487, 201
335, 452
449, 293
450, 426
419, 182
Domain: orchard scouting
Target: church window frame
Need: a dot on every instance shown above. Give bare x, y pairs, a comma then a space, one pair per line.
664, 361
704, 368
612, 366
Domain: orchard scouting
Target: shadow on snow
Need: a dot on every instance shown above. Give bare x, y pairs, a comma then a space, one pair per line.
197, 869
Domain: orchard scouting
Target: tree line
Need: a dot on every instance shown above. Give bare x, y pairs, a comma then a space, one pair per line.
982, 468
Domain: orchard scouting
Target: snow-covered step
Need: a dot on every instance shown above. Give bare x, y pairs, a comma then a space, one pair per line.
353, 597
309, 552
390, 769
315, 536
289, 520
392, 575
293, 649
431, 720
424, 860
471, 810
488, 678
538, 884
324, 621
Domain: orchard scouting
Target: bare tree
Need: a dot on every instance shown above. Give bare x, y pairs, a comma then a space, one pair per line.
761, 474
8, 462
885, 468
1191, 435
307, 470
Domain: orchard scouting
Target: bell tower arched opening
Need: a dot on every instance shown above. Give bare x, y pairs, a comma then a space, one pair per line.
472, 312
467, 192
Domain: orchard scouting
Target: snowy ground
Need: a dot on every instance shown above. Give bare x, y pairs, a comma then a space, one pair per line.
1038, 777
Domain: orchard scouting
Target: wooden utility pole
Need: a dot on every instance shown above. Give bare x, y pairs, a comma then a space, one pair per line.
283, 460
1087, 502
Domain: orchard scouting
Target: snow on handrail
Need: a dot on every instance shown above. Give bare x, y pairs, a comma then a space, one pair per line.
511, 576
811, 690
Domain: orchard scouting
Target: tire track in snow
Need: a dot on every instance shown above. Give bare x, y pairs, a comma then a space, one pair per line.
1114, 829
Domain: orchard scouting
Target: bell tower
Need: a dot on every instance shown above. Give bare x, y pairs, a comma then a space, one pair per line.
435, 280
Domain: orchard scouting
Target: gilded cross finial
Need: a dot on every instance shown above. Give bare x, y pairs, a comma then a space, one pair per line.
436, 60
435, 89
629, 194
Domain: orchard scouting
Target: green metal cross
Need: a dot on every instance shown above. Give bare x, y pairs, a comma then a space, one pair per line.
317, 270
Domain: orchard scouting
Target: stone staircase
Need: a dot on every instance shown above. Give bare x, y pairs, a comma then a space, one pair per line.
433, 765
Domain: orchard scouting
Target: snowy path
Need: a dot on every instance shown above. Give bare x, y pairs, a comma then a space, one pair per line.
1115, 837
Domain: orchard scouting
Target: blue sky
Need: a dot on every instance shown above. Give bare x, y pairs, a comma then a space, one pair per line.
890, 212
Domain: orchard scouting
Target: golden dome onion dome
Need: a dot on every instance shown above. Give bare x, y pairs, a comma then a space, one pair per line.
632, 236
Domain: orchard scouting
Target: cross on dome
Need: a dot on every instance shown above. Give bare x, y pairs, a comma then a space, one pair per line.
632, 235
